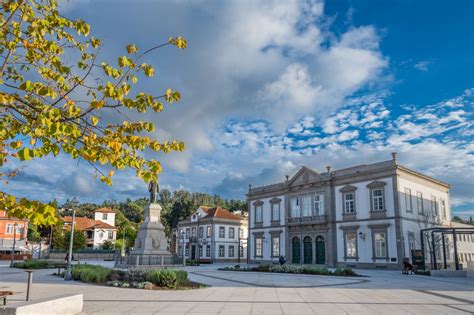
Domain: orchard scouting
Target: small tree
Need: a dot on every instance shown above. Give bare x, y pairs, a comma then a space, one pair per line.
61, 240
55, 95
108, 245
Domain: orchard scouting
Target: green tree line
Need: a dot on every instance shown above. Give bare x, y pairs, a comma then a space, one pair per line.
176, 206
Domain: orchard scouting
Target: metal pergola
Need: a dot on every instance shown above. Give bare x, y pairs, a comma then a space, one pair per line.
454, 231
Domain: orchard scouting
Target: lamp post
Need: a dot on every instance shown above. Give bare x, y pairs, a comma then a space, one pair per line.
68, 275
184, 244
199, 246
12, 262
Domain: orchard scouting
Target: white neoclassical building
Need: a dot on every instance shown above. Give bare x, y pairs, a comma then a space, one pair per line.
362, 216
211, 234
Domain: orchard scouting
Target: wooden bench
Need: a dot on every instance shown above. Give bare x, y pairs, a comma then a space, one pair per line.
4, 294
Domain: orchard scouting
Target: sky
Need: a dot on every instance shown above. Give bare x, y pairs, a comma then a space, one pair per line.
268, 87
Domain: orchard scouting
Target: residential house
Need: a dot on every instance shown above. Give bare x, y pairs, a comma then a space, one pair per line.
8, 234
98, 230
211, 235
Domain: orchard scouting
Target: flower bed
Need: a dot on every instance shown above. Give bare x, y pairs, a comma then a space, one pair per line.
138, 278
296, 269
39, 264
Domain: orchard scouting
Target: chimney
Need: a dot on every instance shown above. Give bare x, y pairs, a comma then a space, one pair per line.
287, 177
250, 187
328, 168
394, 156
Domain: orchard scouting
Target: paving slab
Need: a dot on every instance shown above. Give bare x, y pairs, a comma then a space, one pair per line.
379, 292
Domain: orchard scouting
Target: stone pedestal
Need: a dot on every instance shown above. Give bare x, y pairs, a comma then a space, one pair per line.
151, 238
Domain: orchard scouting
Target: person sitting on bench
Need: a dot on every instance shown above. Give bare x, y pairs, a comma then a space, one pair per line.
407, 267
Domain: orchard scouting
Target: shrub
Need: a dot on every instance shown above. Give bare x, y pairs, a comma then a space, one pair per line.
147, 285
344, 272
90, 273
263, 268
32, 264
39, 264
167, 277
181, 278
423, 272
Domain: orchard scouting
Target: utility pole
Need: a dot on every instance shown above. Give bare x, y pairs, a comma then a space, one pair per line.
68, 275
12, 262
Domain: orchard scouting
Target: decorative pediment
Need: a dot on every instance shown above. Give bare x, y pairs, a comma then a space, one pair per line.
258, 203
348, 188
376, 184
303, 176
275, 200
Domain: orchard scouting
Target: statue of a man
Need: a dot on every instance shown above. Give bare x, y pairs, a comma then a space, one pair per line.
153, 189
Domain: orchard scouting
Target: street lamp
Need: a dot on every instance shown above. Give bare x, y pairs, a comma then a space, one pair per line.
68, 275
184, 256
12, 262
199, 246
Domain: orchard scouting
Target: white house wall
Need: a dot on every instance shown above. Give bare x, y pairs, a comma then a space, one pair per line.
362, 208
267, 228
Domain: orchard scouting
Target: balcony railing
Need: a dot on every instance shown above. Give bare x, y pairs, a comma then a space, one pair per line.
309, 219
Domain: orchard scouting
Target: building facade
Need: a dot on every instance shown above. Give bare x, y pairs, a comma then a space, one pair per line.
211, 235
98, 230
363, 216
8, 233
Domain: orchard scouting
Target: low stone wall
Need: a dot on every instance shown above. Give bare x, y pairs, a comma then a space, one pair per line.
64, 304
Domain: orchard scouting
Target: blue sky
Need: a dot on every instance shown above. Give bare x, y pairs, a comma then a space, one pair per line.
270, 86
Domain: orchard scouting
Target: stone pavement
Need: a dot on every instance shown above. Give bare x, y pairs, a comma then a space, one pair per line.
382, 291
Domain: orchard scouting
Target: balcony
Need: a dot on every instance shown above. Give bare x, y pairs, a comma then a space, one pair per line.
315, 219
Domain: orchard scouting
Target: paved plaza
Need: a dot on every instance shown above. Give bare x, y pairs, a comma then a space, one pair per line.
380, 292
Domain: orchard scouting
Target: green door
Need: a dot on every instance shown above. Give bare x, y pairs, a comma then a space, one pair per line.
307, 250
320, 250
296, 255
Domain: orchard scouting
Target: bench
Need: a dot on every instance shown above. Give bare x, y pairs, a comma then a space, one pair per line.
4, 294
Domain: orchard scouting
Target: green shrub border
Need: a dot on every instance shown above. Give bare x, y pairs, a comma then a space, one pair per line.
134, 278
39, 264
296, 269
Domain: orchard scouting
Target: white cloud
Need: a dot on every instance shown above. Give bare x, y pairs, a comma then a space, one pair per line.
422, 65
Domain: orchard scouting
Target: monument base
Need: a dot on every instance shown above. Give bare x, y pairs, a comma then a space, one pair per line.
151, 238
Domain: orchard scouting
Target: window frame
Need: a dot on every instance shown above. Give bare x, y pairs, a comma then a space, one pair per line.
380, 246
275, 237
208, 251
346, 247
9, 228
231, 235
344, 195
258, 250
297, 210
377, 201
442, 206
434, 206
221, 255
408, 200
419, 203
208, 231
221, 231
231, 251
308, 212
318, 200
104, 216
275, 207
380, 229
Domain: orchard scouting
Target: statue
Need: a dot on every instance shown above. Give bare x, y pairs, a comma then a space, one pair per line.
153, 189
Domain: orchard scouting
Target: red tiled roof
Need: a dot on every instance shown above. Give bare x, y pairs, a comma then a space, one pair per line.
83, 223
218, 212
105, 210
